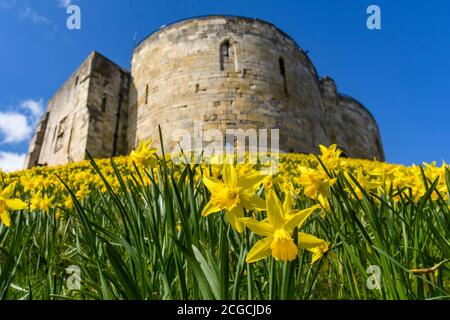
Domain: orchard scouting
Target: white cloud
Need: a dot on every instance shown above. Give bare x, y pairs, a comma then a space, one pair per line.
29, 14
11, 161
34, 107
7, 4
14, 127
64, 3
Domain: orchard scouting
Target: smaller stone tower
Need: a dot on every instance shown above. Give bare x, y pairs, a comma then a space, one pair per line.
350, 125
88, 112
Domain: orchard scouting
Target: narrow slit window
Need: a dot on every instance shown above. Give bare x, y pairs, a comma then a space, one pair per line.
146, 94
224, 54
104, 104
283, 75
60, 135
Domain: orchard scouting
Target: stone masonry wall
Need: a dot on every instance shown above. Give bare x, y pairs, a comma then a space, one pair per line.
67, 125
108, 108
32, 158
227, 72
335, 124
362, 133
87, 112
350, 125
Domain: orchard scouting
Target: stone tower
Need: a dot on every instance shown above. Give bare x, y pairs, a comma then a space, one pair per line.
88, 112
226, 72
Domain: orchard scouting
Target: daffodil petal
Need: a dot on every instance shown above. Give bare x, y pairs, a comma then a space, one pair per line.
288, 201
210, 208
259, 227
233, 217
4, 217
229, 175
251, 181
260, 250
213, 184
317, 255
297, 219
15, 204
274, 209
252, 202
8, 191
307, 241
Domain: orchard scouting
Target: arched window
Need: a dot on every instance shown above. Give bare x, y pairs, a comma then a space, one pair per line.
224, 54
283, 74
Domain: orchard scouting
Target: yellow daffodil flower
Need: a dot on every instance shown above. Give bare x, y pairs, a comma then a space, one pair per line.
143, 155
314, 182
276, 229
233, 194
42, 203
9, 204
330, 157
316, 246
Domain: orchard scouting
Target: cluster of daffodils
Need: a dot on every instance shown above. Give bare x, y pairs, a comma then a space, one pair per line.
233, 188
9, 203
236, 192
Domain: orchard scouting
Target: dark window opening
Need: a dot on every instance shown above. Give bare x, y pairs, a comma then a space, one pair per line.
224, 54
60, 134
283, 74
104, 104
146, 94
76, 80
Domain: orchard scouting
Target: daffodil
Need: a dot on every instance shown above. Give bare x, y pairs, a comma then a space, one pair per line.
43, 203
330, 157
277, 230
82, 192
68, 202
324, 203
144, 155
316, 246
233, 194
315, 182
9, 204
268, 183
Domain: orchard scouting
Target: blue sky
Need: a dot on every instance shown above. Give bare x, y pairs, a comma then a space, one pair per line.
401, 72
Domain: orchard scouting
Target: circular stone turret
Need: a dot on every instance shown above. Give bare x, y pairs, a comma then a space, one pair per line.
228, 73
